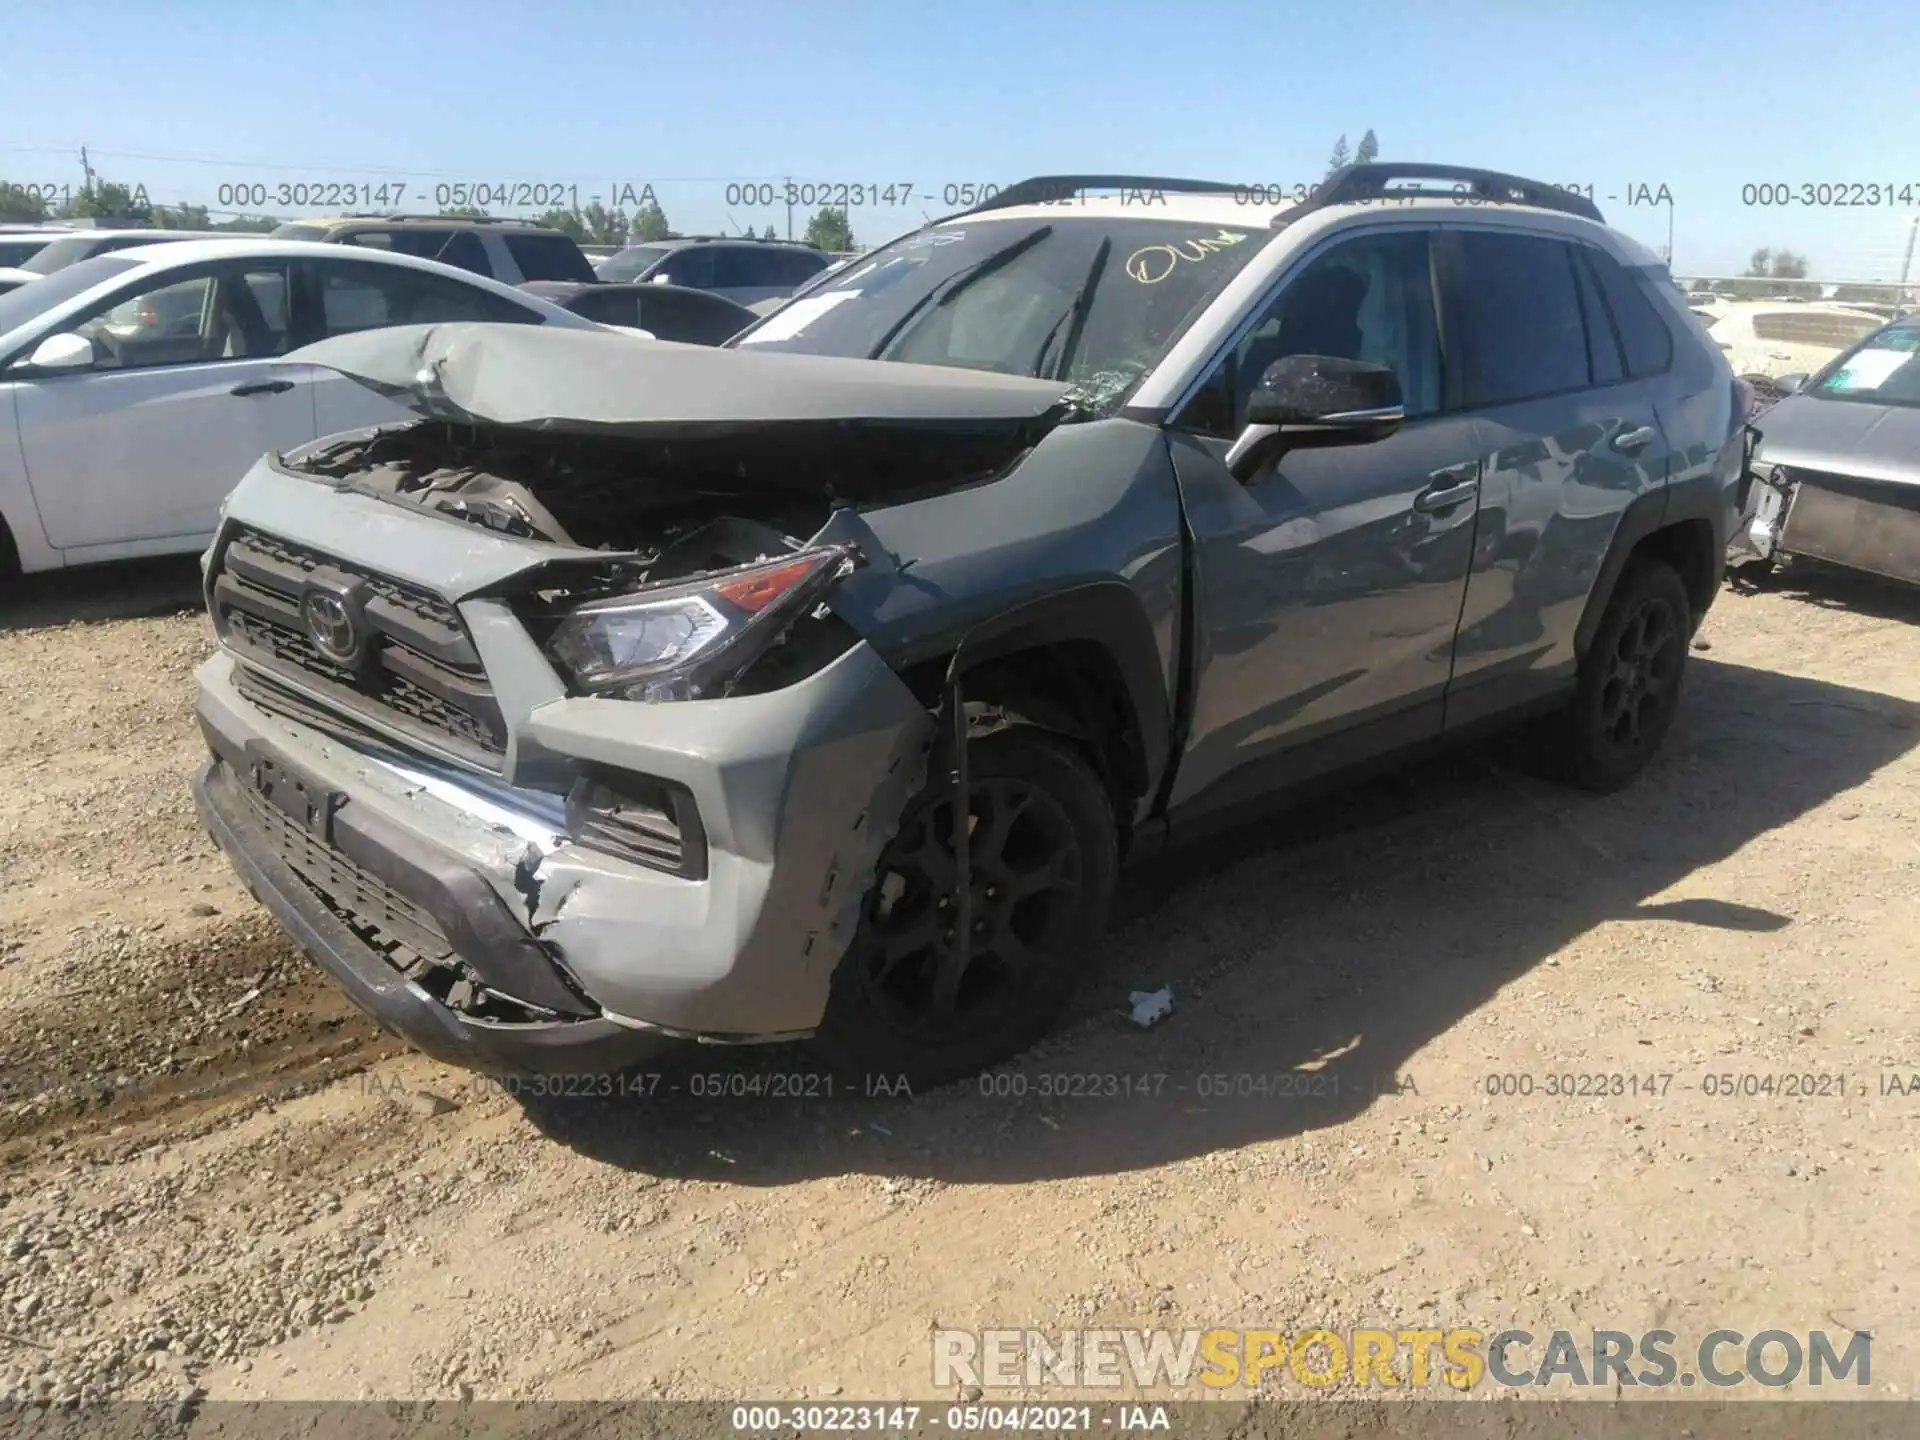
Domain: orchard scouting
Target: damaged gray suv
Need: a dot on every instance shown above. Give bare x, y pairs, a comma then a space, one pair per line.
822, 685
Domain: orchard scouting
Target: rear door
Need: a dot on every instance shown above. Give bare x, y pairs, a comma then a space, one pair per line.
1568, 439
185, 394
341, 296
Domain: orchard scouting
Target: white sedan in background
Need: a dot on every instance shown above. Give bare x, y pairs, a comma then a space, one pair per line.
137, 387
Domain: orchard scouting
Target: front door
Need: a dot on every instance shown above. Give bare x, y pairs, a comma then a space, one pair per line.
1328, 586
184, 395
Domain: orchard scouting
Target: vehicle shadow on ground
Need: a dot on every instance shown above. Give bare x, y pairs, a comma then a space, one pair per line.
1311, 957
92, 594
1831, 588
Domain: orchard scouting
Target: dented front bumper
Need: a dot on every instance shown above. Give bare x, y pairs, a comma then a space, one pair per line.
599, 959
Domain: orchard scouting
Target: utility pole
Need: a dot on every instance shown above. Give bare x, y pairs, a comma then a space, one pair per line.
86, 167
789, 207
1906, 261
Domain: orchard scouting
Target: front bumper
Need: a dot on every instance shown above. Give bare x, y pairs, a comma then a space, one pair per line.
582, 1046
798, 790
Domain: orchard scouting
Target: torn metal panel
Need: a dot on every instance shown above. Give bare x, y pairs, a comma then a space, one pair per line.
799, 789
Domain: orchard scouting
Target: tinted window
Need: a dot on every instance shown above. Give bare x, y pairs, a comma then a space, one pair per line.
547, 257
632, 262
1645, 337
691, 317
235, 311
1603, 347
1366, 299
796, 267
13, 251
607, 305
364, 297
36, 297
300, 232
690, 266
1514, 318
741, 267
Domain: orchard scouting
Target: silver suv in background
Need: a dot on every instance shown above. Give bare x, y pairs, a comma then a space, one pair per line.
741, 268
821, 684
501, 248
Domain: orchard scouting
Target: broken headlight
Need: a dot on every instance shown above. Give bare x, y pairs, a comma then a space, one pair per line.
686, 639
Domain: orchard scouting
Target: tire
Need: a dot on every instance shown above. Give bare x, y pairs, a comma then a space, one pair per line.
1630, 680
1040, 818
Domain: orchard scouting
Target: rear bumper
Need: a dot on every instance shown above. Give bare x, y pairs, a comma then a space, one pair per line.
585, 1045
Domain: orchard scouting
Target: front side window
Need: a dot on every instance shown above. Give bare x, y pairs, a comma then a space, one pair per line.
690, 266
1369, 298
236, 311
737, 267
1514, 318
1092, 300
365, 297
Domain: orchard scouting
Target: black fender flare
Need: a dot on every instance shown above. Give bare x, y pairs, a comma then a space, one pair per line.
1699, 498
1105, 613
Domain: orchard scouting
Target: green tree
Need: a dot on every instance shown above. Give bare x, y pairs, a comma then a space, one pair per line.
769, 235
248, 224
650, 222
106, 200
567, 222
468, 212
604, 226
1341, 156
21, 206
830, 230
1772, 272
1369, 149
182, 217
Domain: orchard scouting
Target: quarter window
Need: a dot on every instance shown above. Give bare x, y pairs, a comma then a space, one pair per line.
1648, 342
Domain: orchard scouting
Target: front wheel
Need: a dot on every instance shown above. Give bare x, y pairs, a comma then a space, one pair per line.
1629, 680
908, 998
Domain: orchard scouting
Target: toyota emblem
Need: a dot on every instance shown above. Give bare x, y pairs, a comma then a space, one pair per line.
330, 623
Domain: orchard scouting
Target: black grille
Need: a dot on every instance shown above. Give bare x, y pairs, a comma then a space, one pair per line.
384, 917
419, 672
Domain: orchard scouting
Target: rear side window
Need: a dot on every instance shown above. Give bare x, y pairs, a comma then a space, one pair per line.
692, 265
1514, 318
737, 266
606, 306
1643, 334
366, 297
691, 318
547, 257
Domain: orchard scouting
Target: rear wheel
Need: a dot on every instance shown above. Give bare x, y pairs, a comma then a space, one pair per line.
908, 998
1630, 679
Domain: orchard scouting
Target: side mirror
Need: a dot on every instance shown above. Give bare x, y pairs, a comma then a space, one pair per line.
1309, 401
1792, 383
62, 352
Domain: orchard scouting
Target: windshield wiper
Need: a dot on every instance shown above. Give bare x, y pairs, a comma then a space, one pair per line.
1075, 316
947, 289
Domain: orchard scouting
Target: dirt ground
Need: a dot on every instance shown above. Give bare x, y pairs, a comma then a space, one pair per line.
215, 1177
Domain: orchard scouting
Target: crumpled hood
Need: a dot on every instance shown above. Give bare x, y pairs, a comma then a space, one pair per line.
1842, 437
607, 382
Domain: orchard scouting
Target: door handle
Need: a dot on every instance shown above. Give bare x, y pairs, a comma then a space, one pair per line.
262, 387
1638, 439
1452, 486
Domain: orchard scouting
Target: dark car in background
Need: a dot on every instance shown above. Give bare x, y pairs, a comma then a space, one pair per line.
739, 267
510, 251
667, 312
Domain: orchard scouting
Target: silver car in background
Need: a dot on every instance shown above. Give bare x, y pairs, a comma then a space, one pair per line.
1836, 470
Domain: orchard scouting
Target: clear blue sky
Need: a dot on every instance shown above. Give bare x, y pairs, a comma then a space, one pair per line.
1703, 97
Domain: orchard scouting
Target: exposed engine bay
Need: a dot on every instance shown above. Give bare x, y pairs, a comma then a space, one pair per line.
738, 495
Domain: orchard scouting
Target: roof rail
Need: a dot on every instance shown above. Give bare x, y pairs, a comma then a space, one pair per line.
1356, 184
1042, 189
